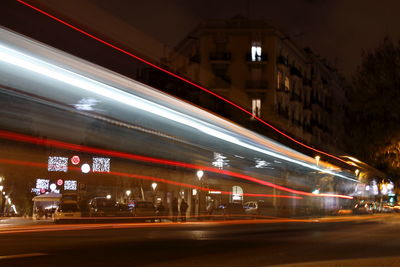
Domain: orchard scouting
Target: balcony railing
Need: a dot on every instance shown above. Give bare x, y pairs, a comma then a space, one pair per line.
296, 72
257, 58
283, 61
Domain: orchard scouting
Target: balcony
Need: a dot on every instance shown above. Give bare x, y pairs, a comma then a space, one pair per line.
220, 56
259, 84
295, 72
258, 58
283, 61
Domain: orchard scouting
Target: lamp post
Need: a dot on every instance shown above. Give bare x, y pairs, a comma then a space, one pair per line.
154, 186
1, 198
128, 194
199, 175
317, 158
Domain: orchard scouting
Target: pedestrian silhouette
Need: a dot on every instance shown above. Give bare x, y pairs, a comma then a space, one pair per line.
183, 208
174, 209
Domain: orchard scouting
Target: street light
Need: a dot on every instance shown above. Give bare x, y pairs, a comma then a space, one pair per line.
128, 193
1, 188
199, 174
154, 186
108, 196
317, 158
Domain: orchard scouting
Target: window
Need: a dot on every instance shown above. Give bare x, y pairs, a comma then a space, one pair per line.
237, 194
256, 107
256, 52
279, 80
287, 84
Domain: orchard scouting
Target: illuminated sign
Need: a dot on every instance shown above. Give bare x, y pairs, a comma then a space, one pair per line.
70, 185
57, 164
85, 168
42, 183
101, 165
220, 161
75, 160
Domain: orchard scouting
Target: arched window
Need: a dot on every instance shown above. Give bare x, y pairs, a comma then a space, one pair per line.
237, 194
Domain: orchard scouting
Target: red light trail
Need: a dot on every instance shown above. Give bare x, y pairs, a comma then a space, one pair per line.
180, 78
68, 146
144, 177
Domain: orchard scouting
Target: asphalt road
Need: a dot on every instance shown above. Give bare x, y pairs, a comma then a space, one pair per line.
362, 242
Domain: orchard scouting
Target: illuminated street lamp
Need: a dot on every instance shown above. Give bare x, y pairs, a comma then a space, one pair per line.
317, 158
108, 196
199, 174
128, 193
1, 188
154, 186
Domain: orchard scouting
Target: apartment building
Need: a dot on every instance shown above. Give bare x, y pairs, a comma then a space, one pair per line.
257, 66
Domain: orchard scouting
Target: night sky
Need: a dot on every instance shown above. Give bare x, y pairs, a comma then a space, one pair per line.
338, 29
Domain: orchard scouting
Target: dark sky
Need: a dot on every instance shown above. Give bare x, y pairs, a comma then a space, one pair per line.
336, 29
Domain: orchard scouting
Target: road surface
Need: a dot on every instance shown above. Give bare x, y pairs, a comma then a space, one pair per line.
342, 241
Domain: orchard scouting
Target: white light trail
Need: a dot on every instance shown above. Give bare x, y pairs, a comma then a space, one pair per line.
54, 72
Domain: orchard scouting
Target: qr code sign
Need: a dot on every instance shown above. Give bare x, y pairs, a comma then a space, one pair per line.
57, 164
101, 165
70, 185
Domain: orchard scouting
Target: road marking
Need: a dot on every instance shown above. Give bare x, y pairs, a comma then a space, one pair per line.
27, 255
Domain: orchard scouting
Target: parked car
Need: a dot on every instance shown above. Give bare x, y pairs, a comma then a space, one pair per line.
103, 207
363, 208
231, 210
255, 208
144, 210
67, 211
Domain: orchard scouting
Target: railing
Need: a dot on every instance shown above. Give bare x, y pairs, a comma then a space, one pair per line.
283, 61
295, 72
258, 58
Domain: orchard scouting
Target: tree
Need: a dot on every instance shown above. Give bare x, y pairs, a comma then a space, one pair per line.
375, 107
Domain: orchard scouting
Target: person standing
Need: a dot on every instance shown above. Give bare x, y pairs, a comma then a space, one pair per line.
183, 208
160, 211
174, 209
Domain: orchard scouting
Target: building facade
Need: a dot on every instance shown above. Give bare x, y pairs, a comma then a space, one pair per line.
258, 67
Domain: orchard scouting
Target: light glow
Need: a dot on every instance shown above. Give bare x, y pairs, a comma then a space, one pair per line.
85, 168
51, 71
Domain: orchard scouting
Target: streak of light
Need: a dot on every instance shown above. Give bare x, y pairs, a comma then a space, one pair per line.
145, 177
74, 147
180, 78
60, 74
51, 71
79, 227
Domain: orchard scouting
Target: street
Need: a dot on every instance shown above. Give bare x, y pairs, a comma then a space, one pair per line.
359, 239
